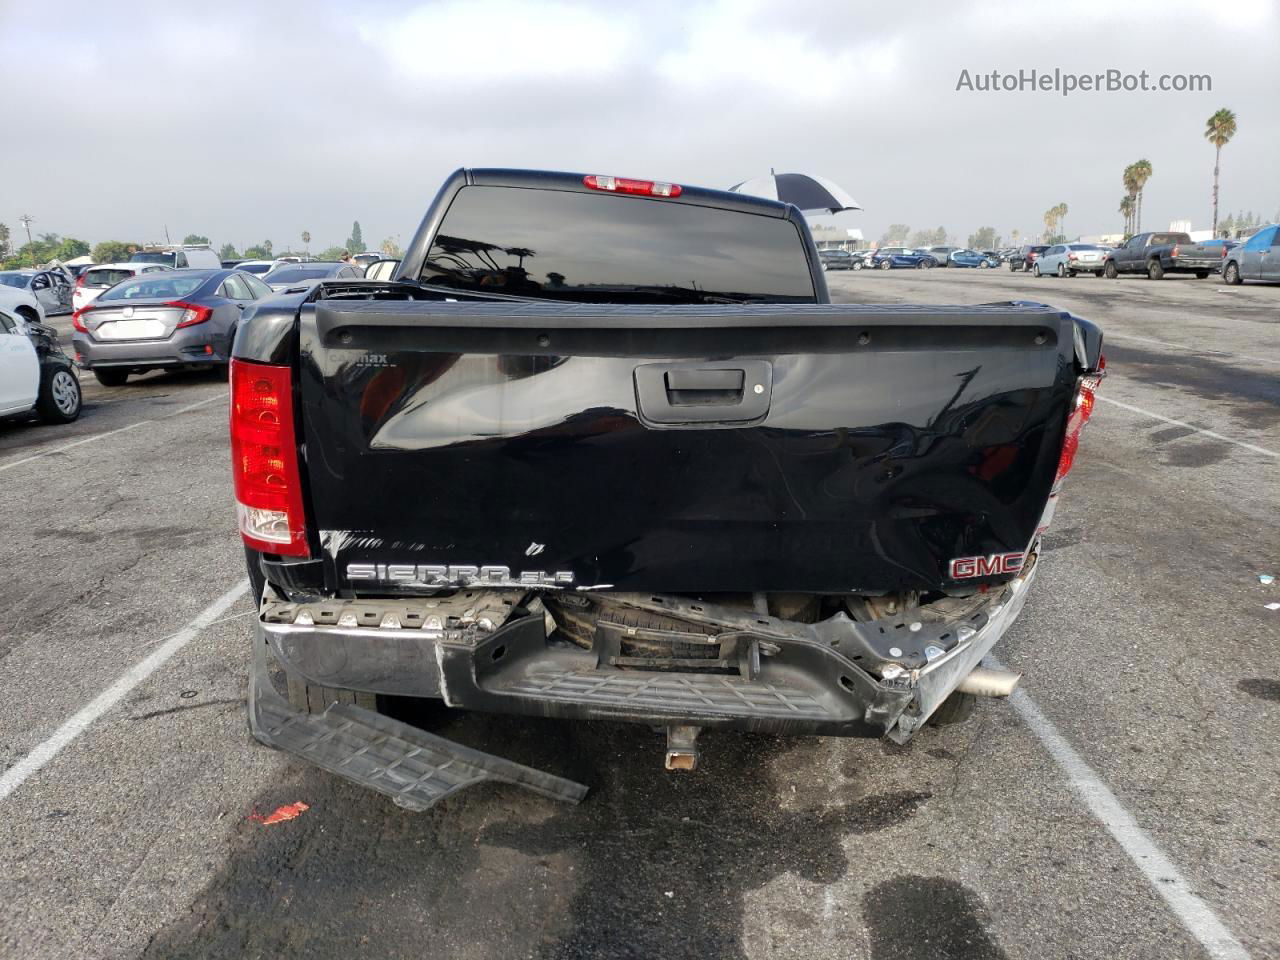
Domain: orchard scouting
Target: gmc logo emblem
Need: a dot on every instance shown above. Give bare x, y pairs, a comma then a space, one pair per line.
965, 568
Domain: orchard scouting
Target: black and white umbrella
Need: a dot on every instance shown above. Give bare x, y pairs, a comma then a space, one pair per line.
812, 194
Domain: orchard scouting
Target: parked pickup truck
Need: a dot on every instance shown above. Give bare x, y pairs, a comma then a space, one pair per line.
1156, 254
603, 449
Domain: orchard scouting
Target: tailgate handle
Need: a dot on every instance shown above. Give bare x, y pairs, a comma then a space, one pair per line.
691, 385
730, 392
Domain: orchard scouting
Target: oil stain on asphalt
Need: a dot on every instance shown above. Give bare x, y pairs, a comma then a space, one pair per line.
927, 918
649, 865
1264, 688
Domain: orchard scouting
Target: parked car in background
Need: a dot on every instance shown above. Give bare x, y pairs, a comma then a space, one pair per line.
892, 258
292, 274
180, 256
1257, 258
174, 319
862, 259
1026, 256
835, 259
972, 258
21, 302
1068, 259
101, 276
1157, 254
259, 268
51, 288
367, 257
35, 375
941, 254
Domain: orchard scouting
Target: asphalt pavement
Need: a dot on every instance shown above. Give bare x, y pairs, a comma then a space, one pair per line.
1124, 805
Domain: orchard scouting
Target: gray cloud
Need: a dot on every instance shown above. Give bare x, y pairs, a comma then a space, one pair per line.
243, 121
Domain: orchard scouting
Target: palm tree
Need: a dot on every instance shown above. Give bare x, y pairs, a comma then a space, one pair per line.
1141, 174
1219, 130
1131, 188
306, 242
1126, 207
1060, 212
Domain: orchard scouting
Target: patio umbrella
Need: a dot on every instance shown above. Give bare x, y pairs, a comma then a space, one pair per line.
812, 194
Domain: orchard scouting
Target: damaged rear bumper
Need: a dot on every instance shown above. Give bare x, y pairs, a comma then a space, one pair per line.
837, 677
414, 768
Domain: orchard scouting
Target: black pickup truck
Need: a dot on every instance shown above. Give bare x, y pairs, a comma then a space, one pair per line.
1158, 254
604, 449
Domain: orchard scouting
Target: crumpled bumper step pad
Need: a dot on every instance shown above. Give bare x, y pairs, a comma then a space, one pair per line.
414, 768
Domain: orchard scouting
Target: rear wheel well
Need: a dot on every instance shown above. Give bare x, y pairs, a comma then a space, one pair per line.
27, 313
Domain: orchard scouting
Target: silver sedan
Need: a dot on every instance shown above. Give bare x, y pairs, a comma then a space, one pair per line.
174, 319
1068, 259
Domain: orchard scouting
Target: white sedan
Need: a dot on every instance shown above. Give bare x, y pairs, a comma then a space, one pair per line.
35, 375
51, 287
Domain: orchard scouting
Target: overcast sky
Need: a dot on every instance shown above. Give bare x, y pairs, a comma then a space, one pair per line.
249, 121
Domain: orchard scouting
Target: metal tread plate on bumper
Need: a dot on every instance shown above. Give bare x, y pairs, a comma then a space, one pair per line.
685, 693
414, 768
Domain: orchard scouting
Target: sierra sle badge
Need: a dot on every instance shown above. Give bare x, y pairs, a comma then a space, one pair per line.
457, 575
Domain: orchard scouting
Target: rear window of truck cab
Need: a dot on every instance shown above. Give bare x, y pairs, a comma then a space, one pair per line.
563, 245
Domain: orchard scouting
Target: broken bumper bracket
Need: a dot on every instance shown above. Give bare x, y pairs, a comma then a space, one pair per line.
414, 768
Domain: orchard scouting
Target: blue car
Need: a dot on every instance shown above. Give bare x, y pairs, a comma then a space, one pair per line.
972, 258
889, 258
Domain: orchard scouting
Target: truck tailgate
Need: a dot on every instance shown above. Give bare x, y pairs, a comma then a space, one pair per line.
809, 448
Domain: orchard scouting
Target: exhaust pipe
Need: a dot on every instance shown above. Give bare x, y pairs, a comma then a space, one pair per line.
985, 682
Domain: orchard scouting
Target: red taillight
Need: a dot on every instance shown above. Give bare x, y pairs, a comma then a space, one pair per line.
80, 280
76, 322
264, 459
1175, 251
1224, 251
1032, 255
1072, 256
192, 313
643, 188
1081, 411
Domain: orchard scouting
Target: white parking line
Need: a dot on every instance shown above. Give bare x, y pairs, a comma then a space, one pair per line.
109, 433
1179, 423
1196, 915
18, 774
1184, 347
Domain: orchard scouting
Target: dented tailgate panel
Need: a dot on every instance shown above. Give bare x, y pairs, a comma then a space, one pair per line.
809, 448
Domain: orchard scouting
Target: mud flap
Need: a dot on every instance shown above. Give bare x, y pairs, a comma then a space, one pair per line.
414, 768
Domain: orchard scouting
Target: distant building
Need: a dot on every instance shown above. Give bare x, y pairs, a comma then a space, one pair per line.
836, 238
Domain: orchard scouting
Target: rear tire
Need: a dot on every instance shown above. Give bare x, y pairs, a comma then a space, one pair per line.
59, 400
1109, 271
111, 378
1035, 270
886, 264
1062, 270
922, 265
1231, 274
1155, 270
957, 708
